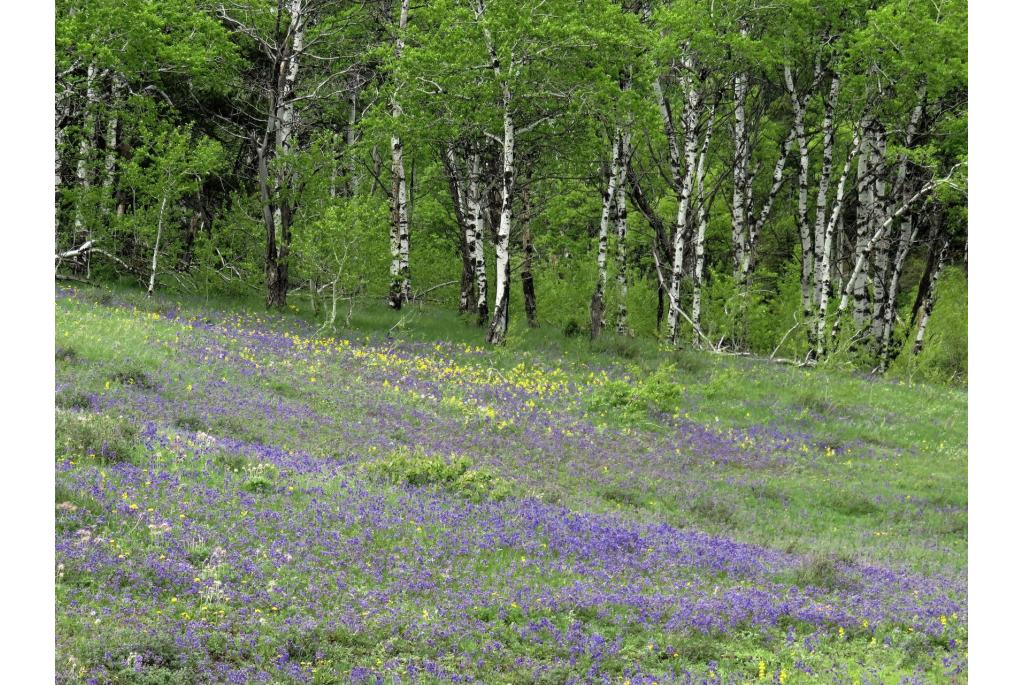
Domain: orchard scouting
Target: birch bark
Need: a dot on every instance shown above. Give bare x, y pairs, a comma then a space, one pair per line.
678, 240
803, 181
400, 286
825, 267
702, 225
621, 317
475, 199
607, 209
825, 181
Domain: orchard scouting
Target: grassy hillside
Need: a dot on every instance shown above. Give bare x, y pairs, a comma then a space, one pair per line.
241, 498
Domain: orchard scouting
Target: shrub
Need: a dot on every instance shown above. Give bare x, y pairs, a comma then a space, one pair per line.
657, 393
572, 329
406, 467
110, 439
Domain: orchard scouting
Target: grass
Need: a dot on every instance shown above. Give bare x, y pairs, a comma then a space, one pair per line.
874, 473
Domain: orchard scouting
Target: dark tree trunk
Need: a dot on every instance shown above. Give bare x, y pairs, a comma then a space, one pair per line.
529, 296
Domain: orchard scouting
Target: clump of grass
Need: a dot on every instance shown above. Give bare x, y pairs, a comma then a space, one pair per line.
66, 354
133, 376
617, 345
811, 401
232, 461
108, 439
820, 570
73, 399
851, 504
623, 497
233, 427
710, 510
190, 422
407, 467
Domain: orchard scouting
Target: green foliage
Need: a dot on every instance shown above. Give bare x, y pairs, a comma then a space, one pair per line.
99, 438
635, 401
943, 359
415, 468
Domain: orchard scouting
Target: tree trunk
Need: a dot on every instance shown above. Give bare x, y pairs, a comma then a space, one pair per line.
864, 251
824, 268
529, 296
740, 172
475, 236
457, 189
597, 302
929, 298
882, 263
503, 274
156, 246
807, 257
678, 242
277, 210
399, 291
865, 215
702, 225
824, 182
621, 317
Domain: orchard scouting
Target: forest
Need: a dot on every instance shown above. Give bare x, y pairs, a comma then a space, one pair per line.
786, 179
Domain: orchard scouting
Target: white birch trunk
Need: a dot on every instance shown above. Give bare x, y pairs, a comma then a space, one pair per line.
754, 227
881, 263
825, 267
499, 324
864, 251
400, 287
608, 203
678, 240
475, 202
156, 246
740, 173
825, 181
702, 225
621, 317
803, 180
908, 231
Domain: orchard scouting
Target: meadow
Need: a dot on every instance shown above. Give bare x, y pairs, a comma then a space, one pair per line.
243, 498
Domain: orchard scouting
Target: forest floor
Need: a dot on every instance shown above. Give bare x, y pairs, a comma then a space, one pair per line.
241, 498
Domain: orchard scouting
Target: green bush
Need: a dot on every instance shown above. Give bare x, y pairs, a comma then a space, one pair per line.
108, 439
406, 467
635, 401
